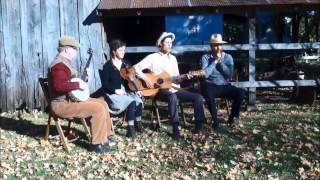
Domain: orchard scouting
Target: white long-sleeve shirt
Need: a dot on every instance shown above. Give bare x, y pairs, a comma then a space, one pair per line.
157, 63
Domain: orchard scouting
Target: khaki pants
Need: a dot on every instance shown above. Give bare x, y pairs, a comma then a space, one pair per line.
97, 109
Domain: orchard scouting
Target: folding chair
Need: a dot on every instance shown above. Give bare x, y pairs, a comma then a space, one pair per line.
45, 88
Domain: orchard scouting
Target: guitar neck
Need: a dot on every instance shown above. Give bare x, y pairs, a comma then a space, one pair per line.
185, 76
178, 78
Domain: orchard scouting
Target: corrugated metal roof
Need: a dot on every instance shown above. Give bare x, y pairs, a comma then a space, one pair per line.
147, 4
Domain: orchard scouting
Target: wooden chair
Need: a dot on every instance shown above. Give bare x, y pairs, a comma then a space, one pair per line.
44, 86
155, 112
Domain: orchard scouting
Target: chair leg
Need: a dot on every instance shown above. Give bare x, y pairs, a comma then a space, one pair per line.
62, 137
46, 135
86, 128
124, 117
156, 110
154, 123
182, 114
158, 117
69, 127
112, 127
228, 106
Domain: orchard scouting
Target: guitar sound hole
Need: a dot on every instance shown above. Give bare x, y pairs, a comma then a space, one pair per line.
159, 81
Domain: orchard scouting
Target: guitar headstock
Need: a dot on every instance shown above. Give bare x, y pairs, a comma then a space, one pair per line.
197, 73
90, 51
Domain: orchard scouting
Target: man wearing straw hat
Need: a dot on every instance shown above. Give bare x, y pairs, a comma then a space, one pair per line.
218, 68
164, 61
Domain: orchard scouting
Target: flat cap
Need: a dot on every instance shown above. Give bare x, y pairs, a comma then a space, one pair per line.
68, 41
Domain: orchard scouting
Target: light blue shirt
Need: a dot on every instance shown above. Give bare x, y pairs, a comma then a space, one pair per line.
220, 73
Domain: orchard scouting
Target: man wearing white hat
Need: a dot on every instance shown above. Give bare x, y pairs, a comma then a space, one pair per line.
164, 61
218, 68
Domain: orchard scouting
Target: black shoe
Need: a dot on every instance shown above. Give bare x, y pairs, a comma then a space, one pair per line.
215, 125
100, 148
131, 133
230, 121
198, 129
138, 126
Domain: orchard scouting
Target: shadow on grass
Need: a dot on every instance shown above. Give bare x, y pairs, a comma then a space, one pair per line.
28, 128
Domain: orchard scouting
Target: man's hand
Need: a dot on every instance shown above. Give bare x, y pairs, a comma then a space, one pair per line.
148, 82
189, 76
139, 93
83, 85
88, 74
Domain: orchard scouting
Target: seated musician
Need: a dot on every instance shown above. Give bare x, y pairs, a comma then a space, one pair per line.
117, 90
218, 68
59, 75
164, 61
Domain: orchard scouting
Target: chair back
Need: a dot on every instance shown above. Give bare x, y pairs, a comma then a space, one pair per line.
105, 96
45, 88
100, 75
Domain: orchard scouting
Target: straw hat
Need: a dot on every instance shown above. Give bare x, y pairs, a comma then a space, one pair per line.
164, 35
68, 41
216, 39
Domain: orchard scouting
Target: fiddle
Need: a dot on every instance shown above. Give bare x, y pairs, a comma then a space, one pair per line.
129, 74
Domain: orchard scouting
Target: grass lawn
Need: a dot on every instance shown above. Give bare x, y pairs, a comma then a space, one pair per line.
278, 141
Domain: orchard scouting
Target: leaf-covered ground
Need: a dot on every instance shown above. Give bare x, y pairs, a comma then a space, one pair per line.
278, 141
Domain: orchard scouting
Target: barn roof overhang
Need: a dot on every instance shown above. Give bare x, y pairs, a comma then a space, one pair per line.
181, 7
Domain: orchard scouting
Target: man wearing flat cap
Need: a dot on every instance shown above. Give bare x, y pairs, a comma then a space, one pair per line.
218, 68
59, 75
164, 61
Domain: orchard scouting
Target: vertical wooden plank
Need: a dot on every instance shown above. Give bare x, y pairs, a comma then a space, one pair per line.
50, 23
252, 58
12, 53
90, 36
50, 33
31, 51
2, 65
69, 21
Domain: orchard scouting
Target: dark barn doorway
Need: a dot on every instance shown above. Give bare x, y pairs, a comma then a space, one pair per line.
135, 31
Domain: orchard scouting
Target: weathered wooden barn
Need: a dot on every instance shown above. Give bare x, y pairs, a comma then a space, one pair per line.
29, 31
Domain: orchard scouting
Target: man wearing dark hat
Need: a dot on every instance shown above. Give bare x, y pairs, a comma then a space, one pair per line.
164, 61
59, 75
218, 68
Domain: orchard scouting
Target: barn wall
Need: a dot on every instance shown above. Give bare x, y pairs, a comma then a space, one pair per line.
29, 33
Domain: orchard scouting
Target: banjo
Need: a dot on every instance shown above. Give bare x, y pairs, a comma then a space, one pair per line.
82, 94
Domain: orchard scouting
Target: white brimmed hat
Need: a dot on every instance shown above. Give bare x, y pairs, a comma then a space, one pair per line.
216, 39
164, 35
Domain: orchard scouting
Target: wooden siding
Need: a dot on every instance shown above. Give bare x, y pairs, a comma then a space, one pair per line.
29, 33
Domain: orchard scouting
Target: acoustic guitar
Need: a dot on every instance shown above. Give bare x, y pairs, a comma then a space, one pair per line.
159, 81
82, 94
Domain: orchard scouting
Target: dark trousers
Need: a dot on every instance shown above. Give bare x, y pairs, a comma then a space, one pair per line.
182, 96
223, 91
134, 111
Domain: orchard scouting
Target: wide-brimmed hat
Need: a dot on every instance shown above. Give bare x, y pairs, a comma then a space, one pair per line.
164, 35
68, 41
216, 39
